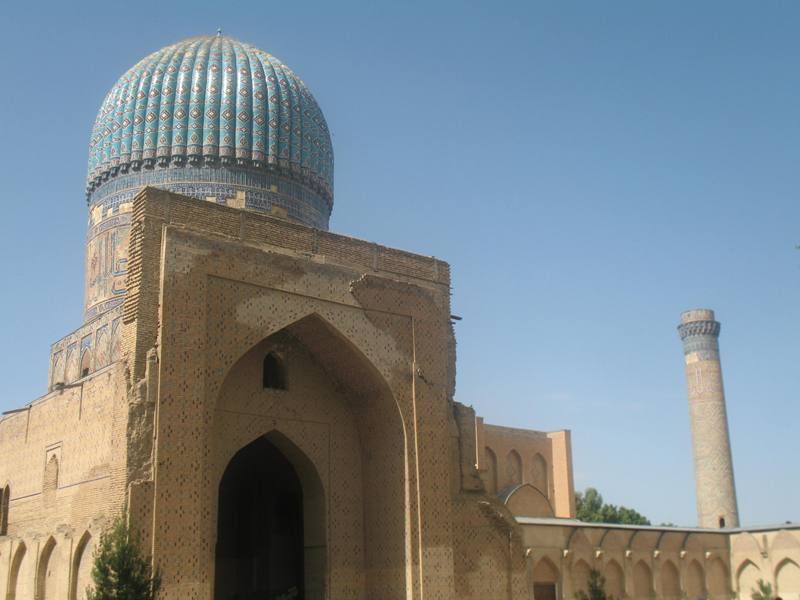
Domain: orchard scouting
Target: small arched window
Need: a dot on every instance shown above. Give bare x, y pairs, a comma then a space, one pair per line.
5, 501
86, 363
274, 374
722, 522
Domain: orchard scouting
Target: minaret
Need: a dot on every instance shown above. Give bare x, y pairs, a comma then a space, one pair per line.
713, 465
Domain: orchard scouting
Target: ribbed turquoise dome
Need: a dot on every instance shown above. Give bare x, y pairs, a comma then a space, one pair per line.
211, 116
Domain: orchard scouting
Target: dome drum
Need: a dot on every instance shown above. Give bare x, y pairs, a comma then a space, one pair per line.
291, 171
262, 189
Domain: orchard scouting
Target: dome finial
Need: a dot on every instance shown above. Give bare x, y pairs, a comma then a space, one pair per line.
219, 31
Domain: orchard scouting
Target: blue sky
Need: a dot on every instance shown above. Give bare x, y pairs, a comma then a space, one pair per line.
589, 170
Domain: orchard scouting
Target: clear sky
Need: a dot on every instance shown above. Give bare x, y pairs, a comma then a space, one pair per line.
589, 170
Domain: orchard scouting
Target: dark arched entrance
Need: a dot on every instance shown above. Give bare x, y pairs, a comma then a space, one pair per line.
259, 552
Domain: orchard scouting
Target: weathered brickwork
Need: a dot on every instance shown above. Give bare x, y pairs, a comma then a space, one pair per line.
406, 494
271, 406
637, 562
64, 462
772, 555
713, 464
531, 470
93, 346
669, 563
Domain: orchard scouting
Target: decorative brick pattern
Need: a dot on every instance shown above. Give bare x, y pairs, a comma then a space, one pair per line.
713, 464
394, 473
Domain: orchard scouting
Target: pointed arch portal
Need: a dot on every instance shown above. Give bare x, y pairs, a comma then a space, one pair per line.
339, 416
268, 509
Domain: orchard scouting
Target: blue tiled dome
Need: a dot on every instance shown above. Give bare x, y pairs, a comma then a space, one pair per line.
212, 117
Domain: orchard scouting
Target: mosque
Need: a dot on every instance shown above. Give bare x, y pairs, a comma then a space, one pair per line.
271, 405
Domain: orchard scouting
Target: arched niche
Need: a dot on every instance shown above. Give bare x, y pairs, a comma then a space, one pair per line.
48, 571
339, 416
545, 580
540, 474
81, 568
5, 507
545, 571
273, 372
747, 576
670, 581
695, 581
490, 475
526, 501
615, 579
50, 483
115, 343
787, 579
71, 366
580, 576
18, 574
642, 581
57, 372
86, 363
513, 475
717, 580
102, 348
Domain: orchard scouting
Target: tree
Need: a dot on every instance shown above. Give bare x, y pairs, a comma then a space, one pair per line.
120, 572
591, 509
762, 591
597, 588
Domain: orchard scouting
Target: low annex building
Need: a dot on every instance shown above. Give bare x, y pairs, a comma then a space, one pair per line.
271, 405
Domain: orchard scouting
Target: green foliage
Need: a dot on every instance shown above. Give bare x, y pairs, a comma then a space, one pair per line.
120, 572
597, 588
762, 591
592, 509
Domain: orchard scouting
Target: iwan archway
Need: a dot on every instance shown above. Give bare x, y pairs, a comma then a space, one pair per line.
311, 487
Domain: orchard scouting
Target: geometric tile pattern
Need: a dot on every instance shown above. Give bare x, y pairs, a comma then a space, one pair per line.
211, 102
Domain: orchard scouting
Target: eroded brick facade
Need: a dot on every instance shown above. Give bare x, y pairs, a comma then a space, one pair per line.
405, 493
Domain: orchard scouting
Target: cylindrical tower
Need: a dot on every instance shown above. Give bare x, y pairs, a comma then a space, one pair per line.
713, 465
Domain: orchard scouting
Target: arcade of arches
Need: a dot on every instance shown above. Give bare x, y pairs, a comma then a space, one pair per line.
653, 562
